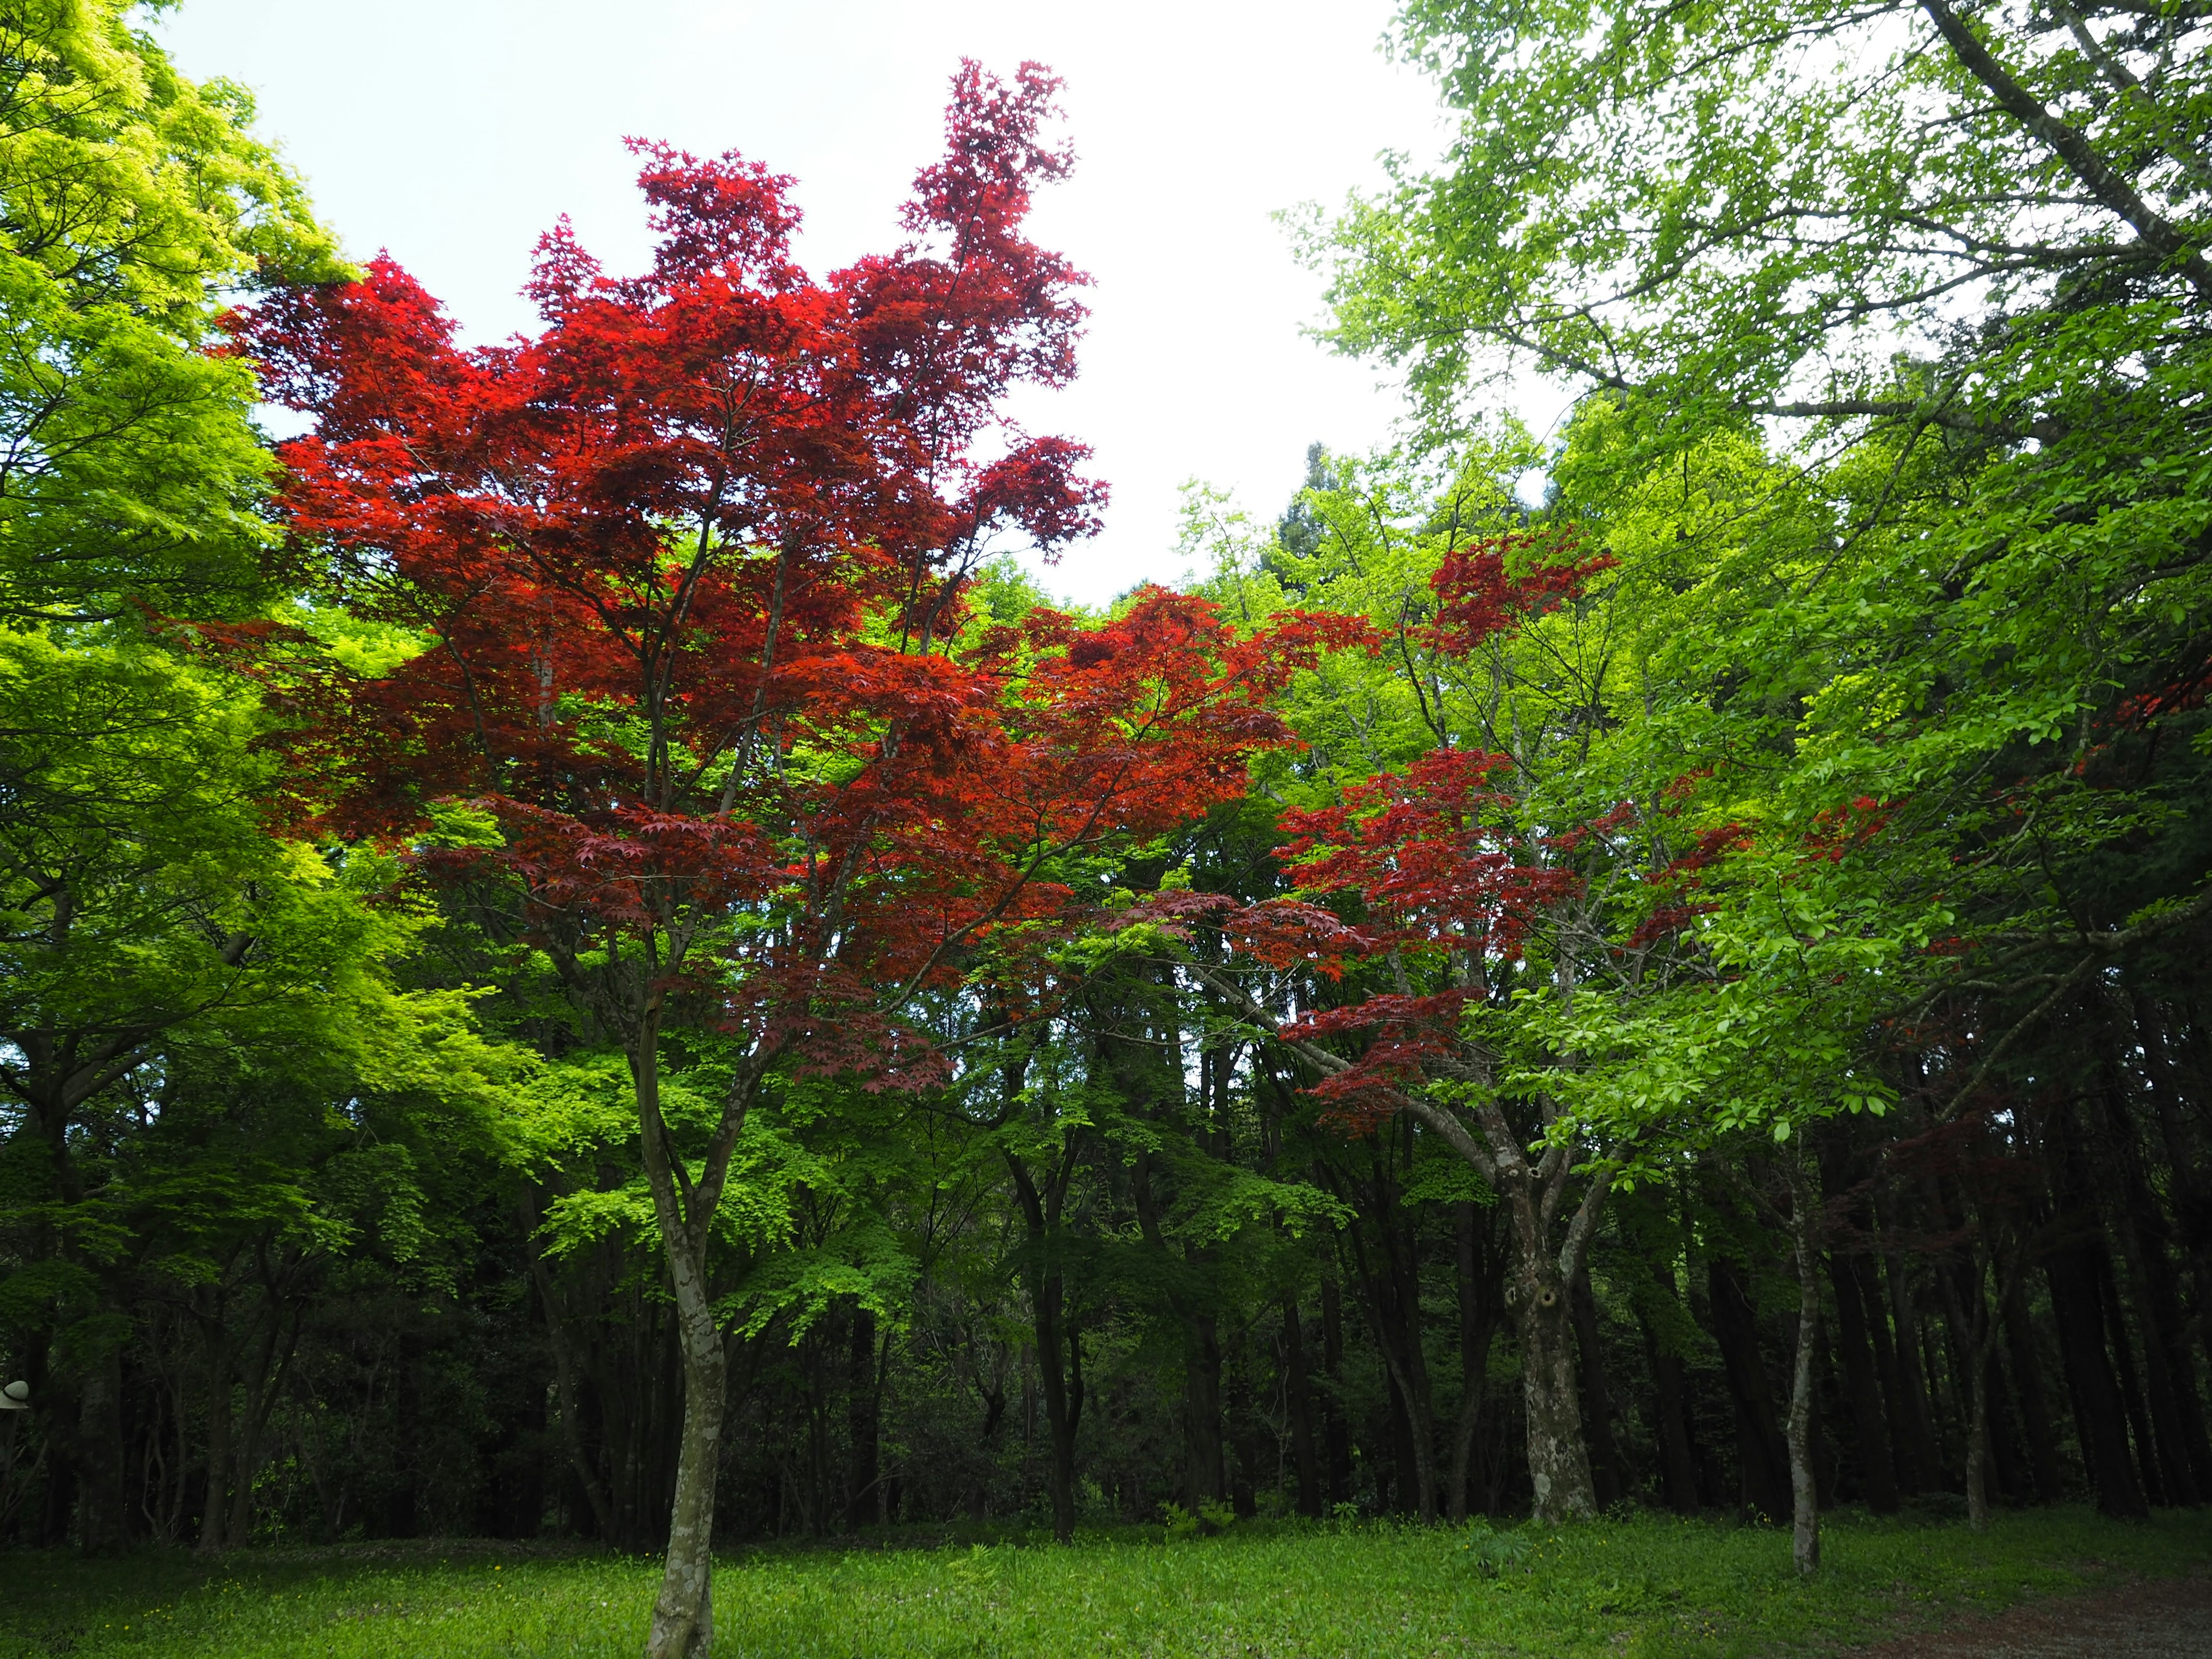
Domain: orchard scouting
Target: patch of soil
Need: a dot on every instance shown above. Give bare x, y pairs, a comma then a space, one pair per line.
2151, 1618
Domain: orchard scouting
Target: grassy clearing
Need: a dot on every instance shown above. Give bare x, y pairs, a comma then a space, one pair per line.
1647, 1587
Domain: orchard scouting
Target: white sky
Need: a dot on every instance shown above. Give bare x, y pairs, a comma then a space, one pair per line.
453, 131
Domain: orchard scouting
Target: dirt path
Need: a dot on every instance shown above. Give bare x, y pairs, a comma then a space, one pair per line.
2158, 1619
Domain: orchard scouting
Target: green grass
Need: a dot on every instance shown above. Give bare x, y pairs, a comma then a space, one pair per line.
1650, 1587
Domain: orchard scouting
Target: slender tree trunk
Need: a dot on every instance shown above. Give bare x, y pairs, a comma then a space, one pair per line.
214, 1508
1678, 1463
684, 1611
864, 1415
2035, 1414
2149, 1464
1904, 1438
1607, 1479
103, 1524
1978, 1449
1804, 1489
1203, 1474
564, 1381
1062, 1388
1336, 1433
1297, 1390
2098, 1417
1765, 1486
261, 1391
2185, 1184
1971, 1331
1063, 1404
1877, 1464
1392, 1305
1477, 1325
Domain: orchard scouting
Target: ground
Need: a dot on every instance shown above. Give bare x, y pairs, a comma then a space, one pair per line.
1645, 1587
2157, 1618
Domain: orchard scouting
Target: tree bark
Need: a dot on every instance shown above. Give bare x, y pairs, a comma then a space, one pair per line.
564, 1380
1804, 1489
215, 1509
684, 1611
864, 1500
1391, 1302
1062, 1387
2035, 1414
1912, 1418
1678, 1462
1297, 1391
1877, 1463
1765, 1486
1608, 1480
2149, 1464
103, 1522
1559, 1457
2098, 1414
1476, 1282
1336, 1433
1203, 1472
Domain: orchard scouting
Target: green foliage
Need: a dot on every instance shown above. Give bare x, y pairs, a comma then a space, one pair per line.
130, 201
1653, 1588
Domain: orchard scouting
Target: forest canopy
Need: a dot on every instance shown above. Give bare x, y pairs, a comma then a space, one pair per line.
585, 953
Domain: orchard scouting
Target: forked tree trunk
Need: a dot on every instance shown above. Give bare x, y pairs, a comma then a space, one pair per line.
1551, 1244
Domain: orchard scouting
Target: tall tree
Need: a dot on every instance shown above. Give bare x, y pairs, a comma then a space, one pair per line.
692, 567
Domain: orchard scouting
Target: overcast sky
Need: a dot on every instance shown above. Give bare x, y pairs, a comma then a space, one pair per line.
453, 131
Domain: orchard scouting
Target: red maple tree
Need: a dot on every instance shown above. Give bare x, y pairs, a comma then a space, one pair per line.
693, 565
1431, 882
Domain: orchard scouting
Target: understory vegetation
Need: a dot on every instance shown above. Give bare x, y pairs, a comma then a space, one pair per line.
1650, 1587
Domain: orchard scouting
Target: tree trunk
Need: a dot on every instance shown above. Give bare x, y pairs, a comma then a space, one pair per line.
1559, 1459
1914, 1419
1336, 1433
1877, 1464
1297, 1391
564, 1380
1804, 1489
1202, 1471
1608, 1480
1063, 1390
1476, 1282
2098, 1414
261, 1388
1765, 1486
1973, 1333
864, 1414
1392, 1305
1904, 1436
1978, 1448
214, 1508
2139, 1227
1678, 1462
2035, 1414
684, 1611
2149, 1464
103, 1521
